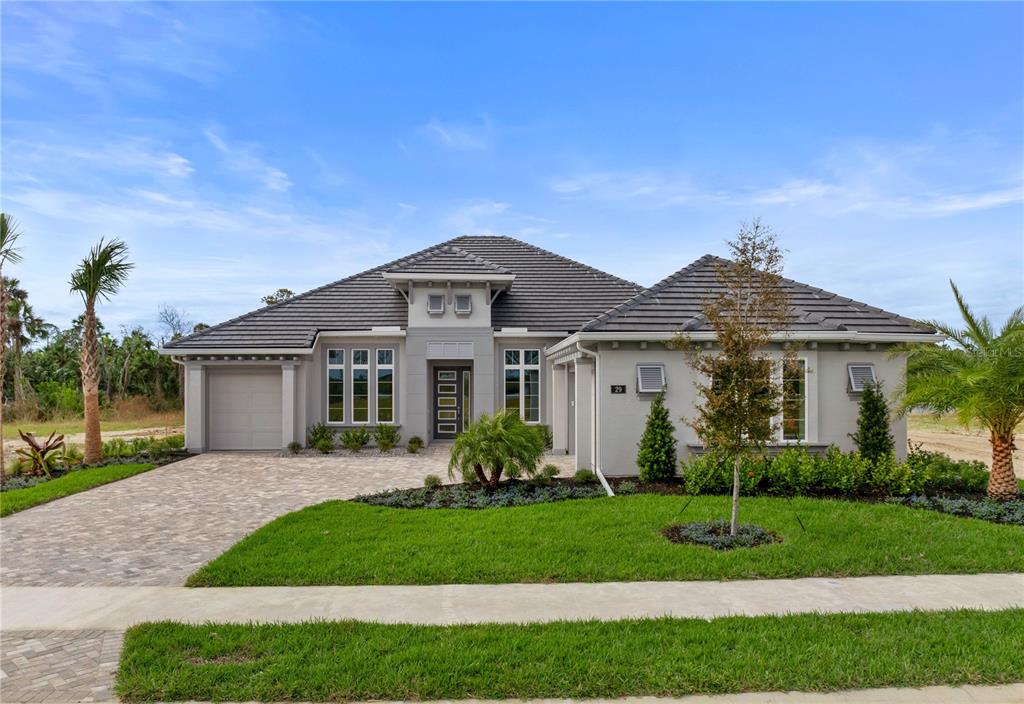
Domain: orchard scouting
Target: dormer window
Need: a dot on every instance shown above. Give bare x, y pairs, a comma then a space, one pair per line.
435, 304
463, 304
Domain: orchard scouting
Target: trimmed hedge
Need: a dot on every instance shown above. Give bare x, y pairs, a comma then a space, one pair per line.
796, 472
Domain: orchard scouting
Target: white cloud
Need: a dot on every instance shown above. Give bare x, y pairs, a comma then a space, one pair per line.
242, 159
460, 136
475, 217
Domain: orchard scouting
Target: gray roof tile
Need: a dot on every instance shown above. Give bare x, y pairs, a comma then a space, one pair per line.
674, 304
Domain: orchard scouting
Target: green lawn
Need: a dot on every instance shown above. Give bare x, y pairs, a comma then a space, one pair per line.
71, 483
607, 539
345, 661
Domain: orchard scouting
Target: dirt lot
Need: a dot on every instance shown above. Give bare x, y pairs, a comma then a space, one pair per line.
945, 435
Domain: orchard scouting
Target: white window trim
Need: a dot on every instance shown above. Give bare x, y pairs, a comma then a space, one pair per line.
376, 383
327, 387
778, 420
522, 367
433, 311
849, 376
469, 299
354, 367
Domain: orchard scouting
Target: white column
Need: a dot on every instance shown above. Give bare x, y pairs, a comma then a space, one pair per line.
559, 408
195, 407
287, 403
301, 401
584, 414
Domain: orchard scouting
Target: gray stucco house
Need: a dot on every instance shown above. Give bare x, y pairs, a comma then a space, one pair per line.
437, 338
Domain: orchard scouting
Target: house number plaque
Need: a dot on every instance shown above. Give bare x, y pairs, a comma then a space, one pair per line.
618, 388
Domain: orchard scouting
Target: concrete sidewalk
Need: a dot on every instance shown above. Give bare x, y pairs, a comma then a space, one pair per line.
117, 608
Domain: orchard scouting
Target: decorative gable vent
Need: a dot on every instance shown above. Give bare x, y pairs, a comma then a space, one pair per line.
860, 376
650, 378
435, 304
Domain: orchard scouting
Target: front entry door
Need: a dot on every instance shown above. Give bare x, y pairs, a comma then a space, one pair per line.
452, 393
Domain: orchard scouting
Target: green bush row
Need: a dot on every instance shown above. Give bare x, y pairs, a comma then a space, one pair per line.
120, 448
795, 471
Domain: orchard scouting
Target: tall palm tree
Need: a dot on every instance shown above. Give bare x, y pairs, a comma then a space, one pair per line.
23, 328
9, 253
980, 377
99, 276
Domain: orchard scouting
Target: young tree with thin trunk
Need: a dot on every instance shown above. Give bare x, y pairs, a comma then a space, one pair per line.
980, 377
9, 254
99, 276
741, 391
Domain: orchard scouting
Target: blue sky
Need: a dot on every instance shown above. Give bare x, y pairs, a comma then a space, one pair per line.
242, 147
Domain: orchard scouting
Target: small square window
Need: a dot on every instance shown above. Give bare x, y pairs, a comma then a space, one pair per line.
360, 356
385, 357
435, 304
463, 304
511, 356
336, 356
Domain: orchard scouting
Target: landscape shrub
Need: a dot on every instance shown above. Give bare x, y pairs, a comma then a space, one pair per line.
414, 445
475, 496
873, 439
546, 436
294, 447
142, 447
386, 437
324, 444
355, 439
584, 476
657, 455
987, 510
794, 472
496, 445
626, 488
548, 472
317, 432
431, 481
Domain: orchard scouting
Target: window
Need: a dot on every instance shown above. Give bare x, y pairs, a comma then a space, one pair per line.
794, 400
860, 376
435, 304
467, 385
360, 386
335, 386
522, 383
650, 378
385, 386
463, 304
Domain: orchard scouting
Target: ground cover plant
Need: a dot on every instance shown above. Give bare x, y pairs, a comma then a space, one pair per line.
513, 493
19, 499
985, 509
606, 539
353, 661
718, 535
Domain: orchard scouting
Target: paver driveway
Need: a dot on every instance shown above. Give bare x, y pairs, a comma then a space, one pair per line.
160, 526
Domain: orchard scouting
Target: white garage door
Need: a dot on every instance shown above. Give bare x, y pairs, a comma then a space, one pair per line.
245, 409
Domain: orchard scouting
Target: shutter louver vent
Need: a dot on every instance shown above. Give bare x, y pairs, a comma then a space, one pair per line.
650, 378
861, 375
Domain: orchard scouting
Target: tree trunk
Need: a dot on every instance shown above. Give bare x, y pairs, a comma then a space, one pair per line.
480, 475
90, 388
496, 475
1002, 482
734, 521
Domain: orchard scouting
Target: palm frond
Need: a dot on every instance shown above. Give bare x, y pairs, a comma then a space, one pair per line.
9, 234
980, 330
103, 272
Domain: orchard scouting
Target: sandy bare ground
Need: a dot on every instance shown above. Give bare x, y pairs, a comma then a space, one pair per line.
965, 445
10, 445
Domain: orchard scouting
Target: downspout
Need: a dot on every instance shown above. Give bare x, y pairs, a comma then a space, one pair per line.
595, 446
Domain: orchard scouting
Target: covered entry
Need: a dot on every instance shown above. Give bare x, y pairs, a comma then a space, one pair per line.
244, 408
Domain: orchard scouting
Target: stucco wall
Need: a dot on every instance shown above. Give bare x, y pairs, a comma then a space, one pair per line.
832, 410
480, 317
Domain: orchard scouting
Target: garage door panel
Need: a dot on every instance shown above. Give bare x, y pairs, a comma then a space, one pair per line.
245, 409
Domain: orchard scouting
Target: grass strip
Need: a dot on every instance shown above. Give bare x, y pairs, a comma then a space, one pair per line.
607, 539
336, 661
71, 483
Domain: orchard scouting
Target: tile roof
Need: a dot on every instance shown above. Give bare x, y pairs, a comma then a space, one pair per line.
550, 293
674, 304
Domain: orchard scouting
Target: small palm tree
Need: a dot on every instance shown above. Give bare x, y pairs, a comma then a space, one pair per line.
980, 377
99, 276
495, 444
9, 253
